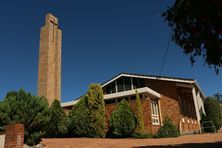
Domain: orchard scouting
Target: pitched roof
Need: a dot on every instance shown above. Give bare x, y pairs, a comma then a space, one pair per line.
186, 80
155, 77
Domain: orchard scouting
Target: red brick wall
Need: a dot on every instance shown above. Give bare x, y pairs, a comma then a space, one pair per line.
169, 102
170, 105
14, 136
149, 128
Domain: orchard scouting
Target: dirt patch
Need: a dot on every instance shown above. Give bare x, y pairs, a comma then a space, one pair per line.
199, 140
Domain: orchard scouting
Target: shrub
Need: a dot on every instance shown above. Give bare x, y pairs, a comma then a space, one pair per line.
207, 126
213, 112
122, 121
32, 111
167, 130
139, 116
78, 121
87, 118
57, 126
96, 107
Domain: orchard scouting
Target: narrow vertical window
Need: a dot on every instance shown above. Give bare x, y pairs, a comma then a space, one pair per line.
155, 111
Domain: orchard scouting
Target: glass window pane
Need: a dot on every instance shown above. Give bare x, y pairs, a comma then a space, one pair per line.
127, 83
113, 88
120, 85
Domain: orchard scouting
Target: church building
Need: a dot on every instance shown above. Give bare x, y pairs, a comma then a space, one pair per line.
179, 99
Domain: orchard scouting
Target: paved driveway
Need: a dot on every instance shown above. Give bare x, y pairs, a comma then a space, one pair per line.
199, 140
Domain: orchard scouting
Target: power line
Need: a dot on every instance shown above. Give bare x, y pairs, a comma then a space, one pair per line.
165, 54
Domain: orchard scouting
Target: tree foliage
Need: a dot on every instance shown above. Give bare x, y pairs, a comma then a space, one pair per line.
197, 29
139, 116
168, 129
96, 106
79, 121
87, 118
122, 121
57, 125
213, 111
32, 111
218, 96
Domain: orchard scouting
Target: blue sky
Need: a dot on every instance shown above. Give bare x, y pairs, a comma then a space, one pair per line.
101, 38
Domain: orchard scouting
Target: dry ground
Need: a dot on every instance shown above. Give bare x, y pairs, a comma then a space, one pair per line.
199, 140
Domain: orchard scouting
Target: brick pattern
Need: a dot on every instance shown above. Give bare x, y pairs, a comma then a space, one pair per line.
190, 125
170, 107
49, 70
148, 126
14, 136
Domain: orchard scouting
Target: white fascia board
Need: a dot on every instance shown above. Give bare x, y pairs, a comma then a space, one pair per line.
132, 92
112, 80
119, 94
70, 103
160, 78
149, 77
200, 89
191, 86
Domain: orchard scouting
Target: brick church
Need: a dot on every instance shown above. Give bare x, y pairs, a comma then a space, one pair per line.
179, 99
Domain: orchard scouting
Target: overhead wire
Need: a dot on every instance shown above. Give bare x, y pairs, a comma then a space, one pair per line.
165, 54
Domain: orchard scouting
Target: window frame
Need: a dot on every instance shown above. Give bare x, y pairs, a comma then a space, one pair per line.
155, 115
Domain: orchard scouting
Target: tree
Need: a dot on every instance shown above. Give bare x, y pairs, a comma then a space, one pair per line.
57, 126
78, 121
122, 121
87, 118
197, 29
213, 111
218, 96
139, 116
32, 111
168, 129
96, 106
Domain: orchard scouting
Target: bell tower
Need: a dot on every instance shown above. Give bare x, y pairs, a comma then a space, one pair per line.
49, 66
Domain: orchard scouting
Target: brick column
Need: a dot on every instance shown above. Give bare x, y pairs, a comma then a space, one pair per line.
14, 136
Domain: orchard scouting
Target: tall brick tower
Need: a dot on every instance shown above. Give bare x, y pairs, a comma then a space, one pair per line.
49, 70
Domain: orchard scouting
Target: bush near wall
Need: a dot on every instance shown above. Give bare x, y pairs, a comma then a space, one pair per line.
122, 121
57, 125
213, 111
32, 111
87, 118
139, 117
167, 130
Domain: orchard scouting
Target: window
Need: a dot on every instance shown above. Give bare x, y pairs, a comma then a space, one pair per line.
138, 83
120, 84
155, 111
127, 81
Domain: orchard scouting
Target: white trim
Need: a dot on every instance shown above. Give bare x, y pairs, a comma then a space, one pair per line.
154, 105
116, 86
196, 104
119, 94
149, 77
157, 78
183, 120
112, 80
160, 112
70, 103
131, 80
132, 92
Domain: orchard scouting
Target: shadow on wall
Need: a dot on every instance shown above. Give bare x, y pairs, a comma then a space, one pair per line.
188, 145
